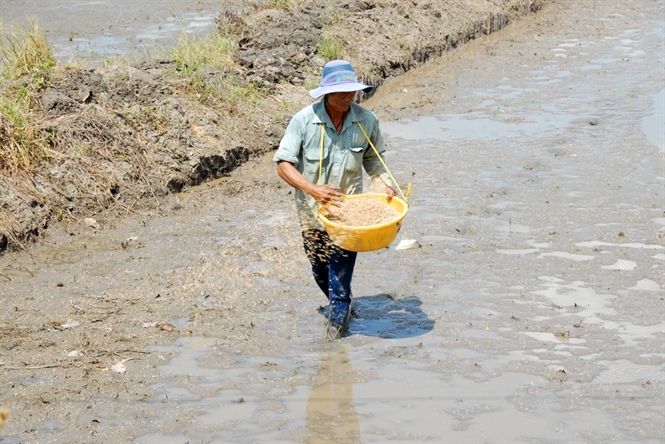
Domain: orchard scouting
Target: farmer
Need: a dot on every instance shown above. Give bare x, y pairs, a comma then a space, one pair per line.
320, 155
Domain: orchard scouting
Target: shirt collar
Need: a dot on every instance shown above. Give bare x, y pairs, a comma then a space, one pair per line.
321, 116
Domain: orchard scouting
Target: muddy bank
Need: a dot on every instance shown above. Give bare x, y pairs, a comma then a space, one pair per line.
122, 137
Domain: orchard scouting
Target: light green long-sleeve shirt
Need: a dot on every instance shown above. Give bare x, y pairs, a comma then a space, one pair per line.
343, 154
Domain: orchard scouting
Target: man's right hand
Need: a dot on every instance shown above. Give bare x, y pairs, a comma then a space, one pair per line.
326, 194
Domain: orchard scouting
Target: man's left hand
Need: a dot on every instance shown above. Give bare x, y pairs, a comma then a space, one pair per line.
390, 192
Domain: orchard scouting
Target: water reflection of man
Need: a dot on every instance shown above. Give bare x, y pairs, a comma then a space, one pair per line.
321, 155
331, 414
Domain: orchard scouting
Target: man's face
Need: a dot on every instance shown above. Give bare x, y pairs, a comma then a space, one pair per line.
340, 101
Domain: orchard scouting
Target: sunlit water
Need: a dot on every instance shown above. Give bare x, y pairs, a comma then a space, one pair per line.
89, 32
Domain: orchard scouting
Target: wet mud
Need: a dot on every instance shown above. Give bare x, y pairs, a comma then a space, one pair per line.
532, 310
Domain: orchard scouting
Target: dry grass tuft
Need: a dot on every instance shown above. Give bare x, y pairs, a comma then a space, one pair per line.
22, 144
292, 6
24, 52
25, 65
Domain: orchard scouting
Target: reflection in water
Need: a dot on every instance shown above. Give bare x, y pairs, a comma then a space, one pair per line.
331, 415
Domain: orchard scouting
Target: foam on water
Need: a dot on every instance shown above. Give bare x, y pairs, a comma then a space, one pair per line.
621, 264
576, 295
519, 252
551, 337
570, 256
595, 244
646, 285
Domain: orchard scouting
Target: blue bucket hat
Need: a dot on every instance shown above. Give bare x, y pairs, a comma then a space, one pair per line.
338, 76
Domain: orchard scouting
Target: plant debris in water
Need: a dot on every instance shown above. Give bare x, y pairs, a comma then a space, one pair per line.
362, 212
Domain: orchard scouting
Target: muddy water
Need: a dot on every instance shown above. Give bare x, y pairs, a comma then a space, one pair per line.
88, 32
533, 311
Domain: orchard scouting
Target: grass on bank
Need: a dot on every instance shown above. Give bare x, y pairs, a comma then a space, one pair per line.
292, 6
25, 51
205, 68
329, 49
26, 62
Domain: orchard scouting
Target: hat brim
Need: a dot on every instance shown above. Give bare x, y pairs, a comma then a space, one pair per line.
342, 87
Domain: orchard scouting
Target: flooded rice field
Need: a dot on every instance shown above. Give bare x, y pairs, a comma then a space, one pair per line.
91, 31
529, 309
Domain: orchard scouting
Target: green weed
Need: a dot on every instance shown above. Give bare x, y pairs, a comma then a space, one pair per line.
213, 51
329, 49
194, 57
206, 69
236, 91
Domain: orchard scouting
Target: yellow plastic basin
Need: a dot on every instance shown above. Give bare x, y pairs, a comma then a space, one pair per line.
369, 238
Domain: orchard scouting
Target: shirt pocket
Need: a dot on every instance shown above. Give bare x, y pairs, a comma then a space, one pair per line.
354, 158
312, 157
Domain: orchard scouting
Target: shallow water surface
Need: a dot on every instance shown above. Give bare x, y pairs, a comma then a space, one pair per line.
88, 32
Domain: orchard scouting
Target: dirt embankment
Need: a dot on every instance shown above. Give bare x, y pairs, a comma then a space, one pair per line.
122, 137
